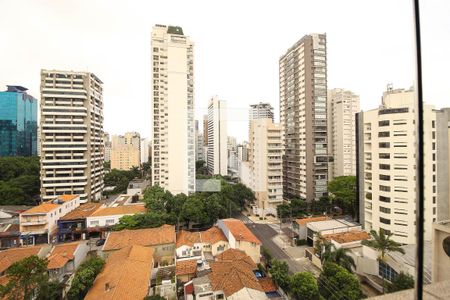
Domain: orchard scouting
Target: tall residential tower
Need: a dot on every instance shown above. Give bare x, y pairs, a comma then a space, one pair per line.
303, 117
342, 107
71, 134
217, 137
173, 158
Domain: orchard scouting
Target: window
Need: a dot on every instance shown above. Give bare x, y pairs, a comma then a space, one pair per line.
385, 221
386, 272
385, 177
385, 167
383, 123
385, 188
94, 223
384, 199
385, 210
384, 155
384, 145
109, 222
383, 134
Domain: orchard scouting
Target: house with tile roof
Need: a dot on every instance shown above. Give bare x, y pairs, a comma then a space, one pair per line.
299, 225
12, 255
105, 217
241, 238
186, 270
126, 275
72, 226
39, 224
161, 239
64, 259
201, 245
232, 276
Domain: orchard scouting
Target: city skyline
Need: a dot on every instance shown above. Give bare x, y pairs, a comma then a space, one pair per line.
350, 50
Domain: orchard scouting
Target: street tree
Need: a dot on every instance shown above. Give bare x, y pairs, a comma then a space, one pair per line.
336, 283
279, 272
303, 286
342, 191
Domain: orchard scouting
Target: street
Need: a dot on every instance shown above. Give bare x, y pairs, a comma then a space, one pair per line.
265, 233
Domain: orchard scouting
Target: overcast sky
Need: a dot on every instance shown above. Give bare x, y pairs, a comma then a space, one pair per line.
237, 47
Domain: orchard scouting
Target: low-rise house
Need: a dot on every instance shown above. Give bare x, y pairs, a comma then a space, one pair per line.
202, 245
299, 225
9, 236
10, 256
126, 275
241, 238
39, 224
64, 259
329, 227
73, 225
161, 239
186, 270
102, 219
137, 187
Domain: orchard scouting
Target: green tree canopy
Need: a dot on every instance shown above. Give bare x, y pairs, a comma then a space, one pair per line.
338, 256
335, 283
280, 273
401, 282
342, 190
26, 278
303, 286
84, 278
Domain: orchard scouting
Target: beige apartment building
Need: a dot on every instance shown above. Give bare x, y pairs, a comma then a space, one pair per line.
71, 134
173, 149
217, 159
342, 107
106, 147
126, 151
387, 147
303, 117
265, 162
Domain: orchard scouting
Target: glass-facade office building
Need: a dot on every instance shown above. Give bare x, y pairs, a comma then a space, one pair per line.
18, 122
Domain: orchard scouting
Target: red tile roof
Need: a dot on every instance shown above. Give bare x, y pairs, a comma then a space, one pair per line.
10, 256
305, 221
143, 237
186, 267
82, 211
240, 231
61, 254
210, 236
347, 237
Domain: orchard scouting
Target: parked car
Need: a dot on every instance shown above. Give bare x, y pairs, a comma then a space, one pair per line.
100, 242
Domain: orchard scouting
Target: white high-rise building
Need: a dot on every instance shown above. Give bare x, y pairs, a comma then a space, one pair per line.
71, 125
342, 107
260, 111
387, 150
145, 148
107, 147
265, 163
217, 137
173, 157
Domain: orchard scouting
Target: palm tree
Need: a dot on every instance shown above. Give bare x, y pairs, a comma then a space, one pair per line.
381, 241
339, 256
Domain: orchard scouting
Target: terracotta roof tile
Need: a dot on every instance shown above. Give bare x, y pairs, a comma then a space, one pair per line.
186, 267
42, 208
210, 236
143, 237
240, 231
119, 210
82, 211
232, 272
267, 284
66, 198
10, 256
61, 254
305, 221
126, 275
347, 237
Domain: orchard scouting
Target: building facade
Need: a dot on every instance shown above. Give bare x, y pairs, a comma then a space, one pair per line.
387, 147
107, 145
126, 151
18, 122
145, 150
173, 157
217, 159
265, 160
260, 111
71, 134
303, 117
342, 107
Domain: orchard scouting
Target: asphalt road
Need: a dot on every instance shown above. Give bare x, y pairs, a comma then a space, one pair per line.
265, 233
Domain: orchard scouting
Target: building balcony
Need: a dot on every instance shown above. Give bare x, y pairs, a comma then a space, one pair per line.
33, 222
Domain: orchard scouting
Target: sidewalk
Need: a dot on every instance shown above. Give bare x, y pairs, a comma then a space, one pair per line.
284, 243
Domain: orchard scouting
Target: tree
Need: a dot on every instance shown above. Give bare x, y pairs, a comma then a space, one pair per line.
342, 190
283, 211
298, 207
155, 198
51, 290
381, 241
200, 168
279, 272
401, 282
338, 256
194, 210
303, 286
84, 278
26, 277
336, 283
